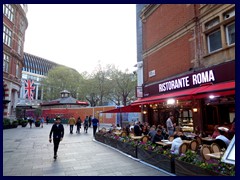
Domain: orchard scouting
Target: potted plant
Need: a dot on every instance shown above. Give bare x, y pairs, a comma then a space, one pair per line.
24, 123
6, 123
14, 124
37, 123
191, 164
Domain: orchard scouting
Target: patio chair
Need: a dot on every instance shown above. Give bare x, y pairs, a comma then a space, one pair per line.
220, 143
145, 139
215, 148
199, 140
193, 145
171, 138
123, 134
205, 150
183, 148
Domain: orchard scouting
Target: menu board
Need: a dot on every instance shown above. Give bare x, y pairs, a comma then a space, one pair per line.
229, 155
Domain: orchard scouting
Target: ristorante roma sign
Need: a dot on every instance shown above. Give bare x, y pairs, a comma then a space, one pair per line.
196, 79
215, 74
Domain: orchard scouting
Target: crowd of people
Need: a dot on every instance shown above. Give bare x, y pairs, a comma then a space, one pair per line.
170, 129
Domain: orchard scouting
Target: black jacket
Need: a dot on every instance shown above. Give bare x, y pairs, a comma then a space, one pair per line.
58, 131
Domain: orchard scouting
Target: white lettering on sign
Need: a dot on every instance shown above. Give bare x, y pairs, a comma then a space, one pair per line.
174, 84
203, 77
197, 79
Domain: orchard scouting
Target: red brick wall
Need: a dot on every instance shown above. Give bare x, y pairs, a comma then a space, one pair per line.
173, 59
166, 19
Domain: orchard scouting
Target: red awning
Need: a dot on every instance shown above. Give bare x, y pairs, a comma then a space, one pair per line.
221, 89
125, 109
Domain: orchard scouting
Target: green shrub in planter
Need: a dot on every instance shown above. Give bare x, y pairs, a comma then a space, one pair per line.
20, 121
6, 123
37, 123
15, 124
24, 123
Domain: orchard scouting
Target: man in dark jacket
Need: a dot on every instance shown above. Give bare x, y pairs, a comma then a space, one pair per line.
58, 133
158, 136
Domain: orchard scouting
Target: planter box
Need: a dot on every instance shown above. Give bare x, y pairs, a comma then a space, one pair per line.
127, 148
99, 137
186, 169
37, 124
112, 142
24, 124
157, 160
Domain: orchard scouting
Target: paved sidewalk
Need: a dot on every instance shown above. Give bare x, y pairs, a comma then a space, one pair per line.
27, 152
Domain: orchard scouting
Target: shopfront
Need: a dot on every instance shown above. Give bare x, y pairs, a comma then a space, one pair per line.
198, 100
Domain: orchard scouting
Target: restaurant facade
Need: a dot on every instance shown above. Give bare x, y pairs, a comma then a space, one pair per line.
188, 65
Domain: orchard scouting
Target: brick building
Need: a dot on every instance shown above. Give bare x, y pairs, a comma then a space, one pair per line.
14, 26
185, 50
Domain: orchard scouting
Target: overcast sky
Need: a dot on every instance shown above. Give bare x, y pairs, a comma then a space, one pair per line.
80, 35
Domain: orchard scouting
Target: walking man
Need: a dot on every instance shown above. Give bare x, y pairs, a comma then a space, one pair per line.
86, 124
58, 133
78, 124
47, 119
90, 120
169, 125
71, 122
95, 123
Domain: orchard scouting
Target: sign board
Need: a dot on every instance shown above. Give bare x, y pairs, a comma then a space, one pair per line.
139, 91
229, 155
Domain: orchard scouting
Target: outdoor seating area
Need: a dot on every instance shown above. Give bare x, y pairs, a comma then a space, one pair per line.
159, 154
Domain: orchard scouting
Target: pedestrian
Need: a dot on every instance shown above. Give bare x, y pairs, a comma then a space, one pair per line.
42, 121
30, 121
58, 132
169, 125
95, 124
47, 119
86, 124
78, 124
71, 122
90, 120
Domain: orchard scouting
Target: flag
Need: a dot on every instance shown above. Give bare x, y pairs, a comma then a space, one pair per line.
29, 88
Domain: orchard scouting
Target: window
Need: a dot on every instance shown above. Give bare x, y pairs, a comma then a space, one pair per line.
212, 23
7, 36
230, 33
6, 60
8, 11
17, 71
20, 45
214, 41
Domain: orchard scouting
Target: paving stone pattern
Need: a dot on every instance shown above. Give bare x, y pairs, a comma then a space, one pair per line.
27, 152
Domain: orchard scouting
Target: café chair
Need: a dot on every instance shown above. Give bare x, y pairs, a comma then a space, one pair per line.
145, 139
199, 140
183, 148
171, 138
103, 129
220, 143
123, 134
205, 150
193, 145
215, 148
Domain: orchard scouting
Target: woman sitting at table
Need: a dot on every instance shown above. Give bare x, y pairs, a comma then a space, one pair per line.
216, 132
158, 136
176, 143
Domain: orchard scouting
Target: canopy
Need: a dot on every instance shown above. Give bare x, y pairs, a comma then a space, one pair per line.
221, 89
125, 109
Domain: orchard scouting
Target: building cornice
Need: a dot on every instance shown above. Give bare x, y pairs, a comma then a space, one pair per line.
148, 10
